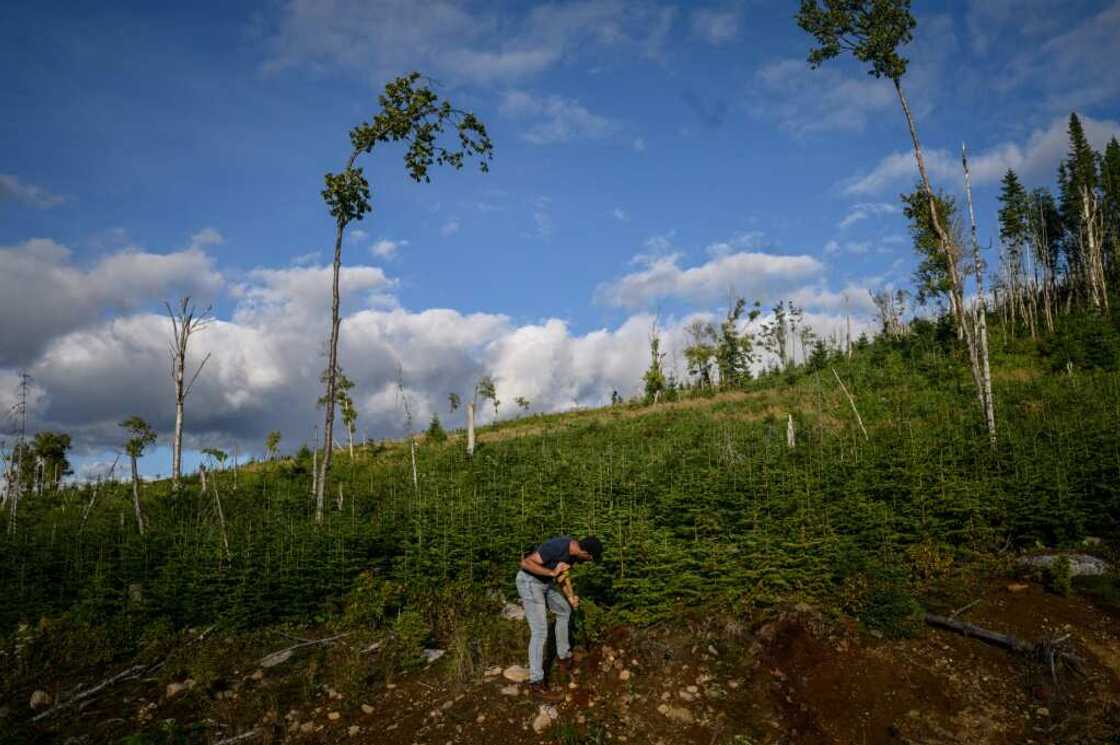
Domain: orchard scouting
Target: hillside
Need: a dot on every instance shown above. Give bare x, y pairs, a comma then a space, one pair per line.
730, 556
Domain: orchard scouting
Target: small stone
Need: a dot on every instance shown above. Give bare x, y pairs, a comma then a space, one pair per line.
685, 695
367, 709
353, 730
543, 720
39, 699
431, 655
1042, 711
174, 689
511, 690
693, 689
480, 718
494, 671
876, 633
713, 651
676, 713
624, 675
334, 716
258, 675
516, 674
1017, 587
307, 727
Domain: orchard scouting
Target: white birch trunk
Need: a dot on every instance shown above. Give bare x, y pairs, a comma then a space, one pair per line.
791, 435
470, 428
984, 371
136, 497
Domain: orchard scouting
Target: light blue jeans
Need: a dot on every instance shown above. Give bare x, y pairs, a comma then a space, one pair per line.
538, 598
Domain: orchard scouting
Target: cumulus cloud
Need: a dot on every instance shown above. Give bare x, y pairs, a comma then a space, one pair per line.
555, 119
267, 354
50, 294
450, 228
16, 190
1036, 158
456, 40
716, 26
753, 274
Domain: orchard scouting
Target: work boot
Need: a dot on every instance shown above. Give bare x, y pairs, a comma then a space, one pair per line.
542, 692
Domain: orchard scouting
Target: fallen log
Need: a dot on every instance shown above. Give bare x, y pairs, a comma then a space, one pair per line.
1046, 651
283, 655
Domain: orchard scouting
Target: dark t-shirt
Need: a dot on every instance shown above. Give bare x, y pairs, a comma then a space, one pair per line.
553, 551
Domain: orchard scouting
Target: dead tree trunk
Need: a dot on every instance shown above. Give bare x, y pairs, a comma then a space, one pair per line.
184, 322
851, 401
221, 517
136, 495
984, 373
470, 428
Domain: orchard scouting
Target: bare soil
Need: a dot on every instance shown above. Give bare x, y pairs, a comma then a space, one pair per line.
796, 677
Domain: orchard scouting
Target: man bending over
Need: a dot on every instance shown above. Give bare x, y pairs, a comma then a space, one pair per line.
537, 586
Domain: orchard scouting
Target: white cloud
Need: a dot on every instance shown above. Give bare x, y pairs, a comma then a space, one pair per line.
267, 355
841, 97
716, 26
456, 41
11, 187
450, 228
752, 274
41, 286
620, 214
1036, 158
387, 249
554, 119
864, 210
639, 145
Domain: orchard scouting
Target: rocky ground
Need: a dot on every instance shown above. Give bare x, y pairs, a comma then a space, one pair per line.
794, 676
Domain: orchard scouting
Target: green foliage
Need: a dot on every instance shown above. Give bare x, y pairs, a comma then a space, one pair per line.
406, 643
654, 376
931, 278
1059, 576
1086, 341
872, 30
140, 436
435, 432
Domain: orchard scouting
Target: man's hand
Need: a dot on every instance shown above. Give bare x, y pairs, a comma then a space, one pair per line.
574, 600
561, 567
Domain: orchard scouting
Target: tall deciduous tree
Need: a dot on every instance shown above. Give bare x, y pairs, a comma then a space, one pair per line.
411, 113
272, 444
873, 31
140, 436
185, 321
50, 450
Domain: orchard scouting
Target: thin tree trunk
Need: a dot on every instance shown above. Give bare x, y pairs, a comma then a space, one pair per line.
470, 428
942, 236
350, 432
332, 364
981, 310
791, 435
202, 477
415, 477
851, 401
177, 440
136, 496
221, 518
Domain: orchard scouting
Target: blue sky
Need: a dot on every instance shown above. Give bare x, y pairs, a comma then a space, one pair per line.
648, 157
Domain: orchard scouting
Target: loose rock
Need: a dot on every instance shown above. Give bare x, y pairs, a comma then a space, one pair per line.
431, 655
1079, 564
510, 690
39, 699
516, 673
546, 715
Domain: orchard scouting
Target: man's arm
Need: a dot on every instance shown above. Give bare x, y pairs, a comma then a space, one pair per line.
533, 565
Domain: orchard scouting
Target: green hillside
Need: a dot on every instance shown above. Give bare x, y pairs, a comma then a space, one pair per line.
698, 500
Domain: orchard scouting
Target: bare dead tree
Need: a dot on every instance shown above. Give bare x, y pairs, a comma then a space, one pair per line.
185, 321
982, 370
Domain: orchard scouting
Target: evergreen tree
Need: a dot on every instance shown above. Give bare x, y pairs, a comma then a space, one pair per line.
932, 277
1110, 189
1077, 178
735, 348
